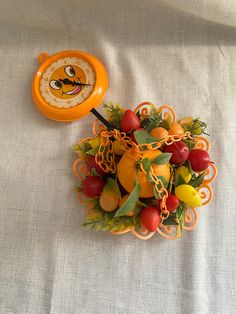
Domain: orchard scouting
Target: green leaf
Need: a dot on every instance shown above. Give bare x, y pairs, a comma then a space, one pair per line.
110, 223
162, 159
91, 222
165, 183
84, 146
94, 172
139, 203
188, 165
75, 148
180, 212
198, 180
114, 113
179, 181
172, 174
147, 167
130, 202
153, 120
190, 144
166, 123
143, 137
171, 220
93, 151
198, 127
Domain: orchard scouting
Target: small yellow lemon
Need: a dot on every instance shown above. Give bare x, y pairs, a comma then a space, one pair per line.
188, 195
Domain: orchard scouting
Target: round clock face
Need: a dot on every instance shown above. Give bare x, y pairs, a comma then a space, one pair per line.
67, 82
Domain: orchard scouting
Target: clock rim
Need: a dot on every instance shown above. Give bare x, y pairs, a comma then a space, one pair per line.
93, 100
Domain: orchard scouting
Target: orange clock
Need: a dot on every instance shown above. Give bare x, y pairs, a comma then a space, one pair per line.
68, 85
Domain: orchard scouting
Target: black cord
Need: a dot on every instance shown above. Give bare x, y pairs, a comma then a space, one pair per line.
103, 120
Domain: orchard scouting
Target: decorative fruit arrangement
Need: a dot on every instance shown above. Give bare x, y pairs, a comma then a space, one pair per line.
145, 175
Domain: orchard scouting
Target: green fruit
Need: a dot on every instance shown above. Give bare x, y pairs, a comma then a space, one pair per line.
187, 194
184, 172
112, 188
109, 199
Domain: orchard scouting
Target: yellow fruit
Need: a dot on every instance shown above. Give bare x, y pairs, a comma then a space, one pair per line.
82, 154
118, 148
176, 129
159, 133
108, 202
126, 172
186, 121
95, 142
188, 195
184, 172
121, 203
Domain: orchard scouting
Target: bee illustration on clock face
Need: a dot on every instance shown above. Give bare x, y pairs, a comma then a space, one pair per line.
67, 82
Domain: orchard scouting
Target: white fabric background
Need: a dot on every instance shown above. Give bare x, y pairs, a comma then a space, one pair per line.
48, 262
221, 11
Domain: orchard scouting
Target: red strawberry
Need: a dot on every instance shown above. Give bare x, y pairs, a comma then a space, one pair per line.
150, 218
129, 121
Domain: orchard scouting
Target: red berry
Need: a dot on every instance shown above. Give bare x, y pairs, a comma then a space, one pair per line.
172, 202
129, 121
91, 163
150, 218
179, 151
93, 186
199, 160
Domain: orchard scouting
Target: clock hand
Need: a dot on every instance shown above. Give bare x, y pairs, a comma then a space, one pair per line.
67, 81
81, 84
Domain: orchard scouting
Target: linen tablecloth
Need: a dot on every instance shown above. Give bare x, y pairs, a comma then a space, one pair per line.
153, 52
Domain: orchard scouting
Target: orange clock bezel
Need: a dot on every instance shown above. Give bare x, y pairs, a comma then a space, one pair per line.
74, 113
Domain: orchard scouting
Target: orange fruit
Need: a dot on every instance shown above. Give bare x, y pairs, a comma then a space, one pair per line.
108, 202
186, 121
126, 172
159, 133
176, 129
